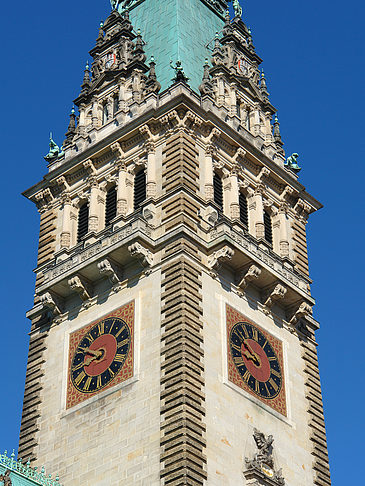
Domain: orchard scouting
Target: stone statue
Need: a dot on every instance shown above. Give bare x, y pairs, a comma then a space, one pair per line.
114, 4
5, 478
263, 462
264, 446
292, 163
237, 8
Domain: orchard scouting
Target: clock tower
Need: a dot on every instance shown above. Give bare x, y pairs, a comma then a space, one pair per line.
173, 338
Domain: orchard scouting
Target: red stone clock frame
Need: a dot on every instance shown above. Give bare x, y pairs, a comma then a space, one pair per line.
126, 313
279, 402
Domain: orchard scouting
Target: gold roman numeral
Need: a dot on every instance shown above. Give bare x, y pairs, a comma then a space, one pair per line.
255, 335
246, 376
272, 358
101, 327
98, 382
275, 373
79, 366
123, 343
245, 332
239, 334
119, 358
238, 361
273, 384
79, 378
257, 387
120, 331
237, 348
87, 383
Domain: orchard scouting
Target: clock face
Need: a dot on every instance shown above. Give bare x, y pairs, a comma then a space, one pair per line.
101, 355
255, 360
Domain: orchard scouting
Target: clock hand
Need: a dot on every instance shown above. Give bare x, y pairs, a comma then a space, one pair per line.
250, 354
97, 354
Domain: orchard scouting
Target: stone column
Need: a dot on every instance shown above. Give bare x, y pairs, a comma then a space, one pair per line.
122, 189
256, 213
94, 207
256, 120
233, 194
220, 93
66, 222
208, 172
151, 169
268, 127
284, 230
95, 113
233, 103
244, 112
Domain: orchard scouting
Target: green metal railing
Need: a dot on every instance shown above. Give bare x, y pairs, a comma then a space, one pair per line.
24, 470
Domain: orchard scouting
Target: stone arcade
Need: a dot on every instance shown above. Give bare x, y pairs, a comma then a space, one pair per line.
173, 340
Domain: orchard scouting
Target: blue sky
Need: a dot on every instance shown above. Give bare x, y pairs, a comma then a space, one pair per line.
314, 62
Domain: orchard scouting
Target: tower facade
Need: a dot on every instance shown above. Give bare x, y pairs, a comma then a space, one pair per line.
173, 339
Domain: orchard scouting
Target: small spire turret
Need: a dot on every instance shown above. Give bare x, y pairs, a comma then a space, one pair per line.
71, 130
263, 87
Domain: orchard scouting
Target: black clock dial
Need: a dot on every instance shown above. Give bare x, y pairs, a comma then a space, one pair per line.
100, 355
255, 360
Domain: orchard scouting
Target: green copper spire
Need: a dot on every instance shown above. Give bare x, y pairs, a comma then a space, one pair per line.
181, 31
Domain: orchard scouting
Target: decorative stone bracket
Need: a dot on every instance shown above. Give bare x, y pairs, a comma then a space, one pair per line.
79, 285
109, 269
277, 293
216, 260
51, 303
261, 469
144, 255
253, 273
304, 310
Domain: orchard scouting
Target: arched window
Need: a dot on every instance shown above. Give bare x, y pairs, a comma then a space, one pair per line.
139, 188
89, 118
248, 120
115, 105
243, 209
218, 190
268, 227
110, 205
105, 113
83, 222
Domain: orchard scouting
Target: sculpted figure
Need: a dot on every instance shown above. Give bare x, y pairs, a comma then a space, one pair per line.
292, 163
237, 8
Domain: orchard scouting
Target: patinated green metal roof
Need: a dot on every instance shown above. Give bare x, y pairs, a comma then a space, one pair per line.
176, 30
22, 474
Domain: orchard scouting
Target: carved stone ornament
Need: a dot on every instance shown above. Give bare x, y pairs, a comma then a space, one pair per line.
112, 271
262, 467
304, 310
81, 287
217, 258
50, 302
252, 274
277, 293
144, 255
